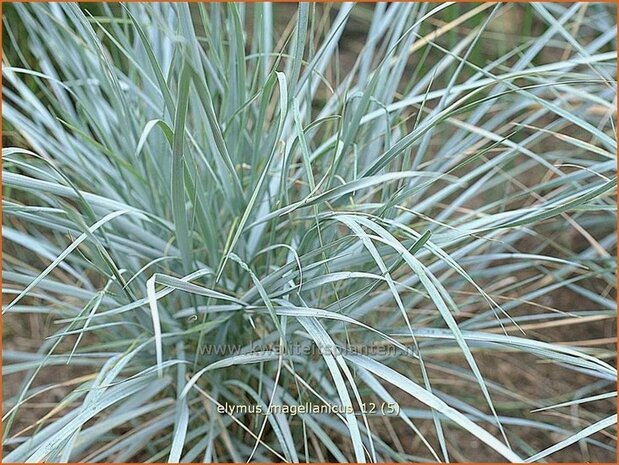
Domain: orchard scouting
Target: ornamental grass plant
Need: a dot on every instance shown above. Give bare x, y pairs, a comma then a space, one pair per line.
309, 232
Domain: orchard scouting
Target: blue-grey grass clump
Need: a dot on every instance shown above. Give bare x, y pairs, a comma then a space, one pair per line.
309, 232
